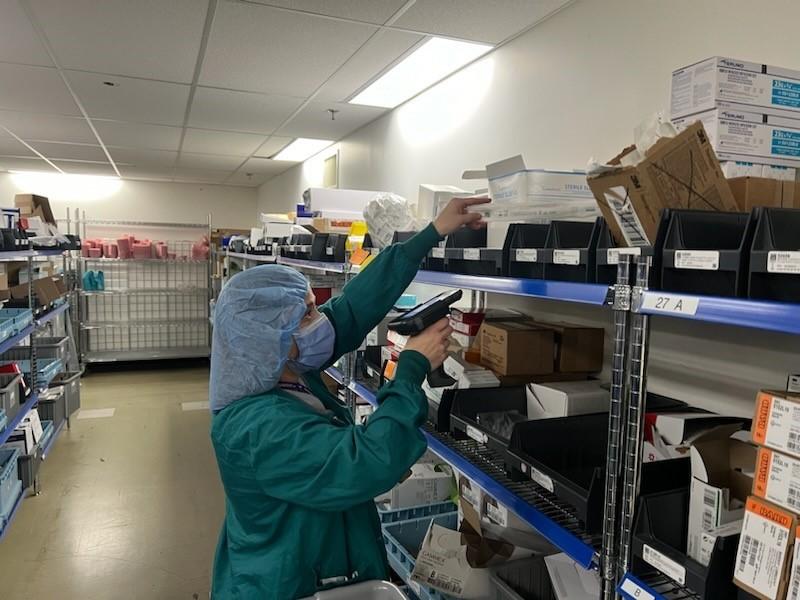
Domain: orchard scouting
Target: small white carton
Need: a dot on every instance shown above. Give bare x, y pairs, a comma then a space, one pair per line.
427, 484
709, 538
700, 86
777, 479
569, 398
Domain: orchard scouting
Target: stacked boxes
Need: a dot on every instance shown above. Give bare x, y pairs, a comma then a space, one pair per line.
751, 112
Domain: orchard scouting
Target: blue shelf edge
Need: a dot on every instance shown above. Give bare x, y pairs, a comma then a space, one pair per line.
12, 424
52, 314
16, 255
12, 514
575, 548
780, 317
254, 257
9, 343
632, 588
328, 267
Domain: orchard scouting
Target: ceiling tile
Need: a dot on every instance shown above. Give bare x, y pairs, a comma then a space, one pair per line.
369, 11
209, 161
146, 38
204, 141
86, 168
240, 111
377, 54
18, 40
48, 128
9, 146
314, 121
70, 151
201, 175
476, 20
142, 159
149, 173
266, 166
135, 100
24, 164
34, 89
272, 146
266, 50
137, 135
247, 179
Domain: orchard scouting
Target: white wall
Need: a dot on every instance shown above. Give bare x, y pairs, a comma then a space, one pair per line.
574, 87
230, 206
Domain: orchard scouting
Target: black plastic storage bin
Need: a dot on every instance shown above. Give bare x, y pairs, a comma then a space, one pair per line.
469, 403
10, 393
402, 236
775, 256
335, 247
52, 406
661, 523
706, 252
525, 250
466, 254
567, 456
319, 242
435, 260
607, 258
439, 412
71, 382
524, 579
573, 246
299, 246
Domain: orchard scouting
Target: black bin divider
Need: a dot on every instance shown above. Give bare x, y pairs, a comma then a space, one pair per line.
319, 241
775, 256
402, 236
607, 258
525, 250
661, 523
439, 412
573, 246
466, 253
706, 252
567, 456
468, 404
298, 246
335, 247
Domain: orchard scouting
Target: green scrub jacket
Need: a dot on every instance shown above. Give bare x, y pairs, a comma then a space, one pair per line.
299, 485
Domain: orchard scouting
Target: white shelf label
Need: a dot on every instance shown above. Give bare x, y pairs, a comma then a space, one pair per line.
664, 564
497, 514
783, 262
567, 257
472, 254
437, 253
527, 255
614, 254
542, 479
636, 591
329, 251
697, 260
477, 435
671, 303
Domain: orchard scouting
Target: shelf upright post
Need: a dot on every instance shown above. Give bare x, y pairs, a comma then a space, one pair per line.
620, 301
634, 425
80, 310
349, 374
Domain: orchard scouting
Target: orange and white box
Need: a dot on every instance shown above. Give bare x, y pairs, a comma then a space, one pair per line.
763, 558
794, 582
777, 479
776, 423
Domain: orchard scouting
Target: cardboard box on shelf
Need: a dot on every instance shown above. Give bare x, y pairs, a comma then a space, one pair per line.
763, 558
517, 348
751, 192
46, 289
722, 465
31, 205
705, 84
579, 349
744, 135
776, 423
777, 479
631, 198
569, 398
427, 484
793, 592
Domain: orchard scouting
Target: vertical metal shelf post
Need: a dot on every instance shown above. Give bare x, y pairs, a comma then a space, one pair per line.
634, 425
349, 375
620, 301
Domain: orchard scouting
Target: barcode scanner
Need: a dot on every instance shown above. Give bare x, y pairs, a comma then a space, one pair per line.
419, 319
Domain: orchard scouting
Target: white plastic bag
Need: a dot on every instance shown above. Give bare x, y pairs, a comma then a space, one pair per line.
387, 213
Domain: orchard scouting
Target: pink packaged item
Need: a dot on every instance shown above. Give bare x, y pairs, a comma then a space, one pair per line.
162, 251
142, 250
124, 247
95, 252
172, 256
110, 251
199, 252
85, 247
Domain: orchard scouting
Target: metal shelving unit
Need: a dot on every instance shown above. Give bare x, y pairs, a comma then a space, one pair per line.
149, 308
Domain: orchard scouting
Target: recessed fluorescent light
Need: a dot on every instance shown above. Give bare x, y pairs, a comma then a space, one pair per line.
431, 62
301, 149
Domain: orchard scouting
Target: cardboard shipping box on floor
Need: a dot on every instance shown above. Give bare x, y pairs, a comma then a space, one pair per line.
723, 464
517, 348
776, 423
764, 555
679, 172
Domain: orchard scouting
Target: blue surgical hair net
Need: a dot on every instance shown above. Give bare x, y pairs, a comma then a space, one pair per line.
254, 319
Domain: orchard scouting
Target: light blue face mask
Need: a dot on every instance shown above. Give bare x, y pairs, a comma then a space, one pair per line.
314, 345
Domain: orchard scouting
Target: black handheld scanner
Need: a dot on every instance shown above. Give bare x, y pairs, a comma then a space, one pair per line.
420, 318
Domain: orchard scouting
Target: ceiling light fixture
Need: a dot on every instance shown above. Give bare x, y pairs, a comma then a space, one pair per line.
433, 61
302, 149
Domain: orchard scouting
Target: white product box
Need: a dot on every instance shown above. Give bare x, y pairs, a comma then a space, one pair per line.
425, 485
571, 582
776, 423
735, 168
703, 85
468, 375
749, 136
433, 197
778, 172
793, 384
763, 559
337, 202
569, 398
777, 479
709, 538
